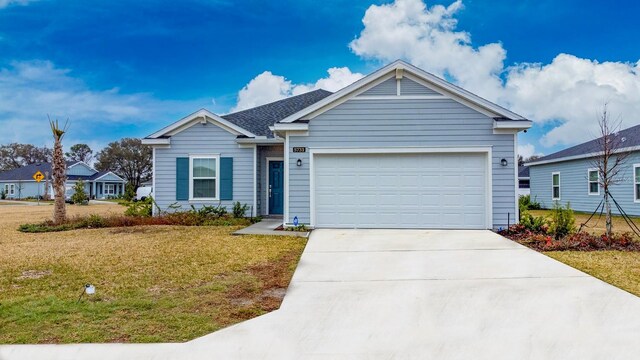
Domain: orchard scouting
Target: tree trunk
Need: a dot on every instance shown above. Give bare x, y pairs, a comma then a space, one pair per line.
59, 174
45, 196
607, 206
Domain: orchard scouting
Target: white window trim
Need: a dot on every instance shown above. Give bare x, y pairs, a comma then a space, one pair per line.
635, 193
109, 186
589, 181
559, 186
217, 177
9, 189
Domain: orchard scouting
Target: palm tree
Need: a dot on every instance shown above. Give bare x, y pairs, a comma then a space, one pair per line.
58, 172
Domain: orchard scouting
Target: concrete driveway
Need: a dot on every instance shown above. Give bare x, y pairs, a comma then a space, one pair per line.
411, 294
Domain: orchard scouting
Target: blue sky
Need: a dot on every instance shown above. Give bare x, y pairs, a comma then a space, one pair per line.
121, 68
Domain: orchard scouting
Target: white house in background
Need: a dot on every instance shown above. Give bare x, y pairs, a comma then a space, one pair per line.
399, 148
19, 183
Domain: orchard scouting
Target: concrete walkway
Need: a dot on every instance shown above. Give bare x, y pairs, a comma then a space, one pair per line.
268, 227
387, 294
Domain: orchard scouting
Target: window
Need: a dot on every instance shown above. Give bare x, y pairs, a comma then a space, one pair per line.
9, 189
636, 182
555, 186
109, 189
594, 181
203, 177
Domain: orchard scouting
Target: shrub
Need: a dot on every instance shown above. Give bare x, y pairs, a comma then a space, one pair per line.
3, 195
562, 221
525, 203
210, 211
79, 195
239, 210
535, 224
129, 192
140, 208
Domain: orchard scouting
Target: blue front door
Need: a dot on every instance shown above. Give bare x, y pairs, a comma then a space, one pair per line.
276, 187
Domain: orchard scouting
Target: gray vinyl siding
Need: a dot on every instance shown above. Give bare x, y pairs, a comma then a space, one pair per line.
574, 185
410, 87
203, 139
385, 88
80, 170
263, 153
399, 123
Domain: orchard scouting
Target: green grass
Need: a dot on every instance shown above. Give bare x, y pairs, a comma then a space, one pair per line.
153, 283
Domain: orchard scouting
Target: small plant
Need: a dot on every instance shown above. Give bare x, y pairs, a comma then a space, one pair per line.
129, 192
525, 203
142, 208
3, 195
79, 195
535, 224
301, 227
207, 211
239, 210
563, 222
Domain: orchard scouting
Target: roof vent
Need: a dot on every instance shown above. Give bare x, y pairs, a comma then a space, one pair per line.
623, 139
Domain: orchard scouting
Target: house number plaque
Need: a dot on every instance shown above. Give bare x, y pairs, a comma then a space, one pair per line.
299, 149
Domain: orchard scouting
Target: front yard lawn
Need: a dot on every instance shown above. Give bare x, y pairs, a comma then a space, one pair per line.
618, 268
153, 283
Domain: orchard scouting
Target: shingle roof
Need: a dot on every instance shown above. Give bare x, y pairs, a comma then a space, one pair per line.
26, 172
630, 137
523, 171
258, 119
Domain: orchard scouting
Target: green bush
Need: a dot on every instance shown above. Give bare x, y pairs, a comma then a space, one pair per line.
535, 224
525, 203
239, 210
142, 208
210, 211
79, 195
563, 222
3, 195
129, 192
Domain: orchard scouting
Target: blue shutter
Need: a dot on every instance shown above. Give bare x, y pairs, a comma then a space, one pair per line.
226, 178
182, 178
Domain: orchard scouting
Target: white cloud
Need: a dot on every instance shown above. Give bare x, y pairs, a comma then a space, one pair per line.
7, 3
573, 91
267, 87
569, 91
427, 37
527, 150
30, 90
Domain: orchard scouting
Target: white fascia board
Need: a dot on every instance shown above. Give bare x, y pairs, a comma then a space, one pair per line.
351, 91
291, 127
205, 114
512, 124
161, 141
110, 172
260, 141
582, 156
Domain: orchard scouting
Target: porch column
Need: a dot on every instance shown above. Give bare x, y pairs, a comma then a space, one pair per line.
93, 188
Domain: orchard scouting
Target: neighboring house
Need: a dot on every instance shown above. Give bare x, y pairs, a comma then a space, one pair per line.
570, 176
400, 148
523, 180
19, 183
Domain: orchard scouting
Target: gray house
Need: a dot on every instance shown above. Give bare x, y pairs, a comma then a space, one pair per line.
400, 148
19, 183
571, 176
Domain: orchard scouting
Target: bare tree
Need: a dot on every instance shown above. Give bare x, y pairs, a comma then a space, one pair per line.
610, 159
58, 172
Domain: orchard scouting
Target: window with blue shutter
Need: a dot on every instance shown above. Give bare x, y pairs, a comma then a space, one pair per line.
182, 178
226, 178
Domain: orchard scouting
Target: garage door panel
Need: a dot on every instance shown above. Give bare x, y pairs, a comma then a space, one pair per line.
400, 190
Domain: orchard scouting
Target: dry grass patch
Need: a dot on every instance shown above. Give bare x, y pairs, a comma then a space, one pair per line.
595, 226
618, 268
154, 283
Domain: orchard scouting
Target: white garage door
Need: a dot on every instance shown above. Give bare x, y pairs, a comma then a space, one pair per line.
432, 190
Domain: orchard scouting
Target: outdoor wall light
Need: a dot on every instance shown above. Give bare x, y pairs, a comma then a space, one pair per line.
299, 162
503, 162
